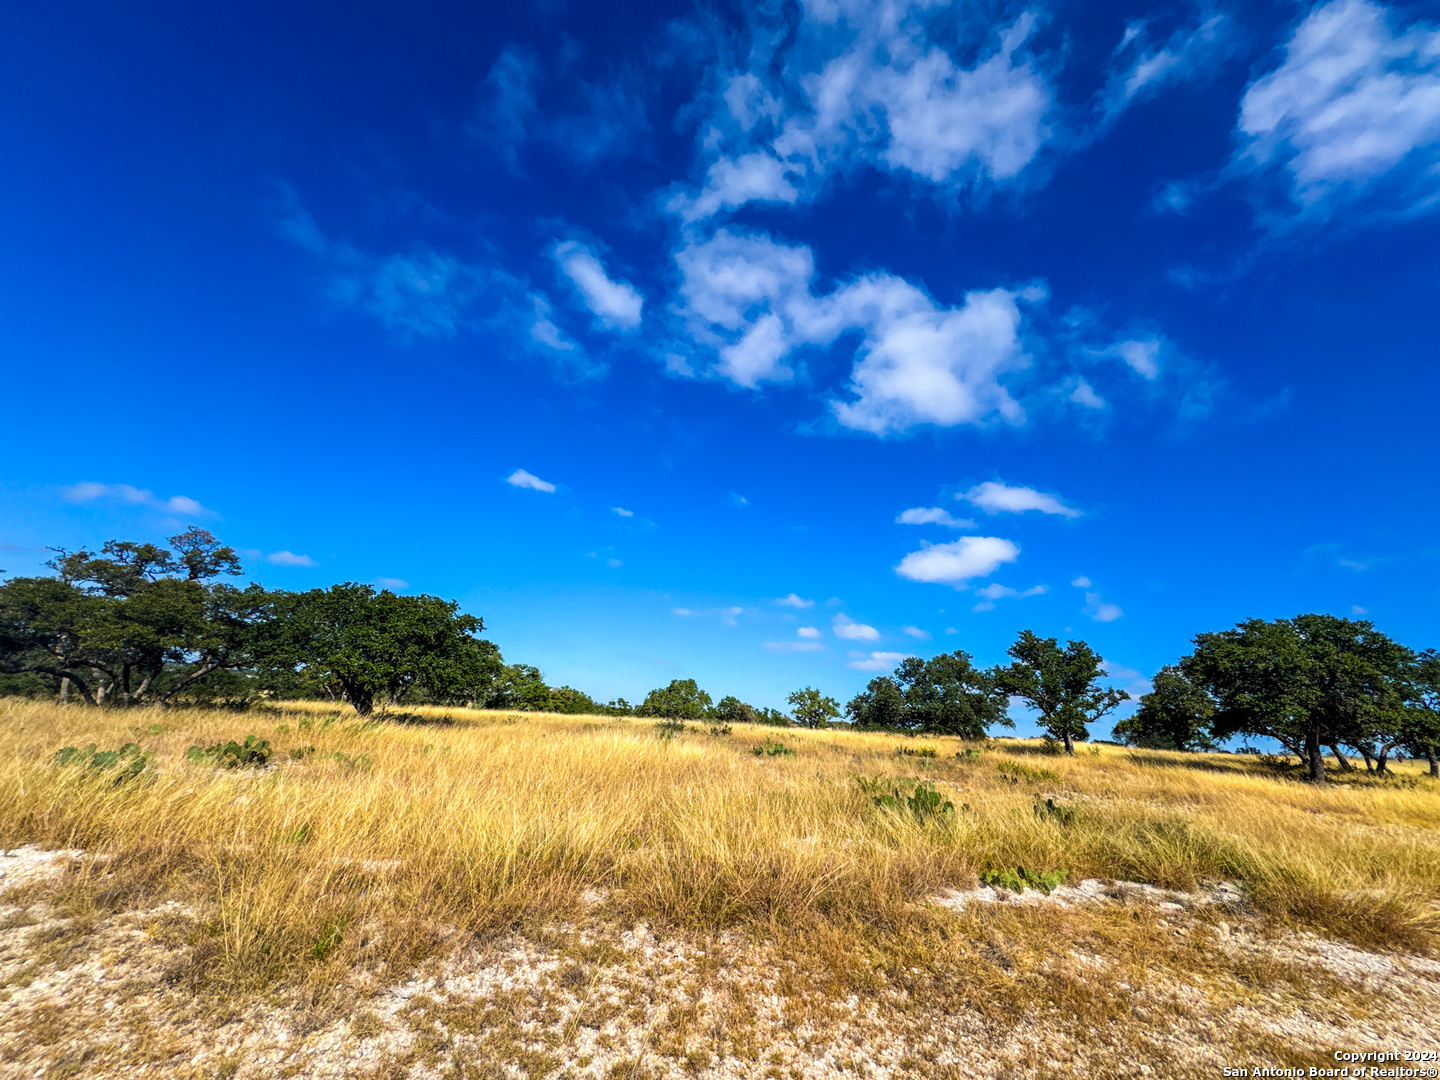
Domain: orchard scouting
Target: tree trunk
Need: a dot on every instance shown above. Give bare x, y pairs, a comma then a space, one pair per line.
1433, 760
1317, 758
1341, 760
1069, 744
1382, 757
64, 689
1370, 758
99, 687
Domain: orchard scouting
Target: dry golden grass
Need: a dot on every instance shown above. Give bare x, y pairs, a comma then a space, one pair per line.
474, 824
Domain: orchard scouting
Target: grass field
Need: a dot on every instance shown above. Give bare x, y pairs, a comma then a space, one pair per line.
367, 854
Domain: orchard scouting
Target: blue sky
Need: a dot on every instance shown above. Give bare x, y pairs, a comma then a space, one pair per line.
760, 343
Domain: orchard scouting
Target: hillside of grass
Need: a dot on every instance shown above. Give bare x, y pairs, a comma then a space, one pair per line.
333, 856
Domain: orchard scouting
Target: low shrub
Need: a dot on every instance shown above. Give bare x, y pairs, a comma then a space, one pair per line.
772, 748
1050, 810
1022, 877
128, 762
924, 802
253, 753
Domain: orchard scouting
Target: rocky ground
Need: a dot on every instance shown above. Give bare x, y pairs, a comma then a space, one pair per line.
1094, 978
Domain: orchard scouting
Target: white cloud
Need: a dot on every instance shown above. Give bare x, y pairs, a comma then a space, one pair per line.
845, 627
872, 82
997, 498
808, 632
728, 616
875, 661
1003, 592
614, 564
289, 558
1118, 671
959, 561
1354, 105
1082, 393
522, 479
1141, 69
1142, 357
932, 515
391, 583
615, 304
1095, 605
738, 500
795, 601
1357, 610
90, 491
749, 300
794, 646
623, 512
916, 632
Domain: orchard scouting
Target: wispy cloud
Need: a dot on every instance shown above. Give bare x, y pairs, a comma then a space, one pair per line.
875, 661
392, 583
795, 601
1140, 68
990, 593
520, 478
932, 515
1095, 605
1352, 111
616, 305
916, 632
289, 558
90, 491
794, 646
620, 510
728, 616
807, 632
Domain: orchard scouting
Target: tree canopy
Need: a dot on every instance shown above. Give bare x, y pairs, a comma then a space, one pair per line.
945, 695
1062, 685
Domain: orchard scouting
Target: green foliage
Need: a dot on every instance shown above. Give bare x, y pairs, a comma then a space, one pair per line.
1018, 770
915, 751
300, 753
128, 762
380, 646
1062, 685
772, 748
924, 803
1175, 715
719, 730
812, 708
946, 695
358, 763
681, 700
1307, 682
668, 729
253, 753
326, 943
1050, 810
1021, 878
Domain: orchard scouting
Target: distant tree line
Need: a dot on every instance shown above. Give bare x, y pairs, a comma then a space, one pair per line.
136, 623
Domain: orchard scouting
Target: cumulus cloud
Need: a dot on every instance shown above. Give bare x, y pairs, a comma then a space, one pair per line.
869, 82
916, 632
796, 601
615, 304
958, 562
1081, 582
875, 661
1353, 109
808, 632
932, 515
289, 558
750, 301
90, 491
622, 511
996, 498
845, 627
520, 478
